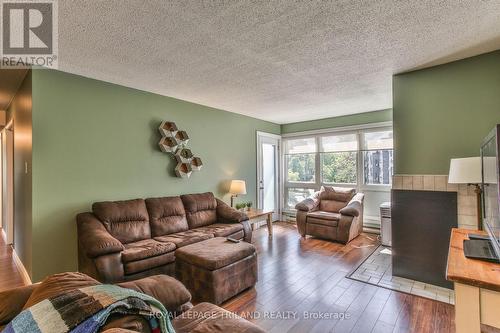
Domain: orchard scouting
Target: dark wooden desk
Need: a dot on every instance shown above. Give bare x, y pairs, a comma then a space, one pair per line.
477, 286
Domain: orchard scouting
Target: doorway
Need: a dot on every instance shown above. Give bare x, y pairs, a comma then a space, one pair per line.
268, 173
7, 183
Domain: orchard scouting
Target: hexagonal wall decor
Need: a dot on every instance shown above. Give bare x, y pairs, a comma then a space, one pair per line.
184, 155
196, 163
168, 128
168, 144
174, 141
182, 136
183, 170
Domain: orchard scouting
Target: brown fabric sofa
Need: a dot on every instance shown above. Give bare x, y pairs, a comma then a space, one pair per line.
332, 213
127, 240
202, 318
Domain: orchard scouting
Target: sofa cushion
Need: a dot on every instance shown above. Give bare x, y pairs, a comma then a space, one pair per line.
167, 215
138, 266
222, 229
127, 221
184, 238
336, 193
323, 218
207, 317
214, 253
146, 248
58, 284
332, 206
201, 209
169, 291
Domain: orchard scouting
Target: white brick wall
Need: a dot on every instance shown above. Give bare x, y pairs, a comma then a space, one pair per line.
467, 213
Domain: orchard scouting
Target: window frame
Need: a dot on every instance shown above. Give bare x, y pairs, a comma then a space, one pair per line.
360, 185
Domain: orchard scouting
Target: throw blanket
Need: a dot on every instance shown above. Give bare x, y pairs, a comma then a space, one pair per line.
85, 310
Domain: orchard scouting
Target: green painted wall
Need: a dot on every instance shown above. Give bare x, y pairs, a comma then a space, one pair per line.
97, 141
444, 112
355, 119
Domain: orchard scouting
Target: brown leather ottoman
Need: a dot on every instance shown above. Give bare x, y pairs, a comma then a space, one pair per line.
216, 269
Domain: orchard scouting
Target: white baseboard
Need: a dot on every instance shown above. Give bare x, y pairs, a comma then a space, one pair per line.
24, 274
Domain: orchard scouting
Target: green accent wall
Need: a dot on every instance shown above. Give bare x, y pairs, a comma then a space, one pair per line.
350, 120
444, 112
95, 141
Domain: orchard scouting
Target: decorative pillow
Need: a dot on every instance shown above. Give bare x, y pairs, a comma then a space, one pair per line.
336, 193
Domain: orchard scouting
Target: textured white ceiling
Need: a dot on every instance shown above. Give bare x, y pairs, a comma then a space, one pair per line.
282, 61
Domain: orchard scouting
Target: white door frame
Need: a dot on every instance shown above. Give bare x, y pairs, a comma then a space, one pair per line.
278, 187
7, 187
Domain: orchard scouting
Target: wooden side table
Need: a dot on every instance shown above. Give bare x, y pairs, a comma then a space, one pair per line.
257, 215
477, 286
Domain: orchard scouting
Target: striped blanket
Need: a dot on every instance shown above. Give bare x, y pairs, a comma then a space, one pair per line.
85, 310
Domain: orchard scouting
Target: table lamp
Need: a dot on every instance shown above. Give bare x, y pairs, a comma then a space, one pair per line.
468, 171
236, 188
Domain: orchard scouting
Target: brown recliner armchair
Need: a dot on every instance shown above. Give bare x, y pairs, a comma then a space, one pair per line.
202, 318
332, 213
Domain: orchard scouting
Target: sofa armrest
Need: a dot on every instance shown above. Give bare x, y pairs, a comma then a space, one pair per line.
354, 207
12, 302
94, 239
309, 204
170, 292
228, 214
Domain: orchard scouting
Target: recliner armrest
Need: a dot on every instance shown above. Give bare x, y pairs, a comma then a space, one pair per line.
169, 291
354, 207
309, 204
12, 302
228, 214
95, 240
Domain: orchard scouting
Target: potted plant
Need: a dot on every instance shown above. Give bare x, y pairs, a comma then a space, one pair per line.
249, 205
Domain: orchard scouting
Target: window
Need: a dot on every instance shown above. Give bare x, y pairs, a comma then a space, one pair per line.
377, 157
300, 160
339, 159
296, 195
361, 159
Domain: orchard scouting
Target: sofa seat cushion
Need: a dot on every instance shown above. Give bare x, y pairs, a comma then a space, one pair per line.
214, 253
218, 321
145, 249
222, 229
184, 238
323, 218
134, 267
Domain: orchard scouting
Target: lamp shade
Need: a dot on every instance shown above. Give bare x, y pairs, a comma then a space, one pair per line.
465, 170
238, 187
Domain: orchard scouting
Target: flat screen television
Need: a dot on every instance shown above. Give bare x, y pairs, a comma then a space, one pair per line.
490, 164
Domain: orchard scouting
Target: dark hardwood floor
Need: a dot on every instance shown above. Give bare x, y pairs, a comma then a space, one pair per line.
10, 277
300, 278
